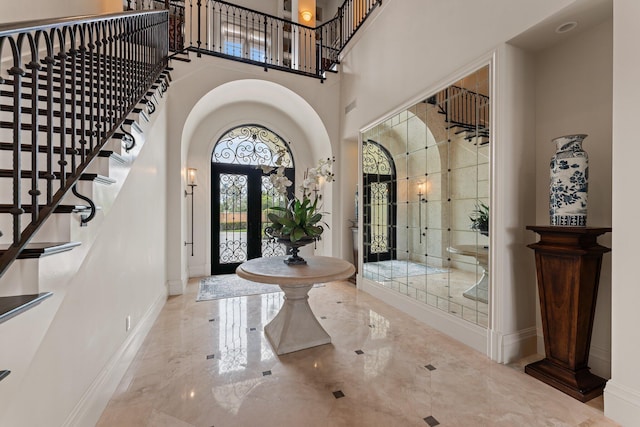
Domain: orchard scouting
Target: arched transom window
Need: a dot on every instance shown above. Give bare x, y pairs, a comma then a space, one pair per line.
251, 145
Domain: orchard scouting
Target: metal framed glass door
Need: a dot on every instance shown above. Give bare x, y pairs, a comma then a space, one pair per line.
379, 218
380, 207
235, 231
242, 194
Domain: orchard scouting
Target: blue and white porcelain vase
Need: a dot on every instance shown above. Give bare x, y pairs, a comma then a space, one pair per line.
569, 182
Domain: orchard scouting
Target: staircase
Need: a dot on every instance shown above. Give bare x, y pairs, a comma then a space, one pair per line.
465, 112
73, 97
77, 99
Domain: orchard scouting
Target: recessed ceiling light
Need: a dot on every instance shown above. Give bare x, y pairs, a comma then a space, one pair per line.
566, 27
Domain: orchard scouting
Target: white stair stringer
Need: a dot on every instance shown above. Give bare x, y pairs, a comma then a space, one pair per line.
53, 273
24, 346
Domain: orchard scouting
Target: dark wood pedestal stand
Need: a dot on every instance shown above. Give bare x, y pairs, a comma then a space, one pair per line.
568, 262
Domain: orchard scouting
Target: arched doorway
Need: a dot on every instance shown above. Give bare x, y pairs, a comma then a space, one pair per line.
379, 197
241, 195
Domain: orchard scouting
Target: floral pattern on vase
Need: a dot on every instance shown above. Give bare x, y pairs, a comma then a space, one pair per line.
569, 182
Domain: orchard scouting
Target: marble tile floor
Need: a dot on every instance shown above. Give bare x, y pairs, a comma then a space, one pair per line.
208, 364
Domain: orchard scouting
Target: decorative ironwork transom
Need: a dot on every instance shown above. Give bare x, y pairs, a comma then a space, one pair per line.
252, 145
375, 159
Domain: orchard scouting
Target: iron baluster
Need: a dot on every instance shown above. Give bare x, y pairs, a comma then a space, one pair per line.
199, 25
62, 57
34, 66
16, 72
74, 133
49, 61
83, 85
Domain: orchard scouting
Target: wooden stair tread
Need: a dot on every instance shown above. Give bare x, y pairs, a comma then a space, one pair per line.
41, 249
6, 208
8, 173
8, 146
13, 305
115, 156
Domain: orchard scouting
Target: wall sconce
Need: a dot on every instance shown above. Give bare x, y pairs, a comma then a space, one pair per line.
306, 15
421, 189
421, 200
191, 182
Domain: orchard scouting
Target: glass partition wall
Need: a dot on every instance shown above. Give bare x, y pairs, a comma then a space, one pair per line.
425, 207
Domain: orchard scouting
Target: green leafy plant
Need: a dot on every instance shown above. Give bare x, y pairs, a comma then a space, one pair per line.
301, 218
298, 220
480, 219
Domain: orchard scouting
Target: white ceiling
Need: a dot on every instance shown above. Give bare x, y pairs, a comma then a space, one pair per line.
587, 13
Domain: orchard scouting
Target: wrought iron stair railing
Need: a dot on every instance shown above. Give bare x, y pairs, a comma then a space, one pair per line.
465, 112
67, 87
176, 10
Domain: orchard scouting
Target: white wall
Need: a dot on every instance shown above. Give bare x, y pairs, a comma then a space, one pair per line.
192, 82
574, 82
622, 393
45, 9
419, 35
396, 60
123, 274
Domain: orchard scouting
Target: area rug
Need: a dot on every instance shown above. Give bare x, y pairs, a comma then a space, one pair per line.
398, 268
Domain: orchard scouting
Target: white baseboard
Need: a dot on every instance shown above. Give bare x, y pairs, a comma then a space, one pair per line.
472, 335
540, 344
511, 347
600, 361
90, 407
621, 404
176, 287
199, 270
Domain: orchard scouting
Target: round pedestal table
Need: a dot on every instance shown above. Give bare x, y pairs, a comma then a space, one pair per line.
295, 327
479, 291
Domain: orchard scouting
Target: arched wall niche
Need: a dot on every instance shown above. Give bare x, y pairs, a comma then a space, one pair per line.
234, 104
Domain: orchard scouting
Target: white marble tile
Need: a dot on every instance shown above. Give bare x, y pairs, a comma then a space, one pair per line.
172, 383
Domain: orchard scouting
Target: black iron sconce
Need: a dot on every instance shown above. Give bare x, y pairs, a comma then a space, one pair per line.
191, 182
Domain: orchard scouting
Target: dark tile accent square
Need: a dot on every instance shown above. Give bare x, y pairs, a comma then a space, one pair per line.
210, 356
212, 320
430, 367
252, 329
359, 352
431, 421
338, 394
338, 302
323, 317
265, 373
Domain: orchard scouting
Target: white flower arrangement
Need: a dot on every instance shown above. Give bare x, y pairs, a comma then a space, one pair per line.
299, 220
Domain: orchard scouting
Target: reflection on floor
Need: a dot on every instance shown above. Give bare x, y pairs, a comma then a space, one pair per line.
391, 269
208, 364
439, 288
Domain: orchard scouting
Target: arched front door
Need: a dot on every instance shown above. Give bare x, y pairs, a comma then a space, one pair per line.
242, 194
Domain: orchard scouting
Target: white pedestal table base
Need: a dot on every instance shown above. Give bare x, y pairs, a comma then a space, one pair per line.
295, 327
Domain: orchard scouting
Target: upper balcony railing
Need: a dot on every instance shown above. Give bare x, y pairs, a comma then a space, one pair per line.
223, 29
